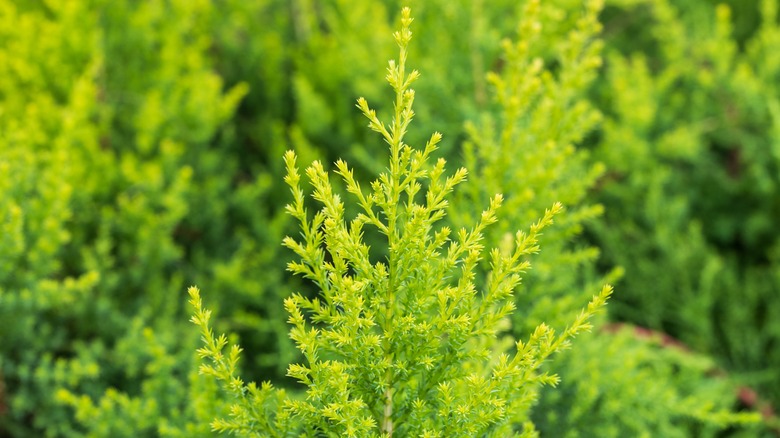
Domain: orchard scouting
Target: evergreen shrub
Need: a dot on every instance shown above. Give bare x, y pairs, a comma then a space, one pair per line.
140, 146
668, 390
528, 147
690, 140
116, 184
405, 344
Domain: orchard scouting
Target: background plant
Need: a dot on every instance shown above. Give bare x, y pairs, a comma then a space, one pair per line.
103, 130
689, 139
529, 146
513, 149
618, 370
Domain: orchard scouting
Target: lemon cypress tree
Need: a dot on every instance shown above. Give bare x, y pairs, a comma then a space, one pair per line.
405, 345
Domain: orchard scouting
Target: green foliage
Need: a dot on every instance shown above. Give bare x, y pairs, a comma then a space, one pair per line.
620, 384
514, 151
691, 197
140, 145
39, 305
543, 83
408, 345
109, 110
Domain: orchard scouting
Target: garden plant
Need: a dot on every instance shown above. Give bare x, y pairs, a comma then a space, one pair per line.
144, 147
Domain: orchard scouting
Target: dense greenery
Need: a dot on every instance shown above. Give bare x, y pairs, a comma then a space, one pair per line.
690, 138
141, 151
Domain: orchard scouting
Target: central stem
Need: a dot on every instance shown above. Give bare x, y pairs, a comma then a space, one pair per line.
387, 416
387, 423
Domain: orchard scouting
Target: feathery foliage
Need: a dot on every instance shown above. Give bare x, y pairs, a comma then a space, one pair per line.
690, 139
668, 390
406, 345
140, 145
525, 148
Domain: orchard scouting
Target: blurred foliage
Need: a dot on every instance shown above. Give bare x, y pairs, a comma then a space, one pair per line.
524, 145
625, 382
691, 197
115, 190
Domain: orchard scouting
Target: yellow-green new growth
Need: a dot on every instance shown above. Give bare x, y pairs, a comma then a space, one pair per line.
400, 341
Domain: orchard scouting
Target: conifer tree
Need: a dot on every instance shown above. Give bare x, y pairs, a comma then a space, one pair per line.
405, 345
